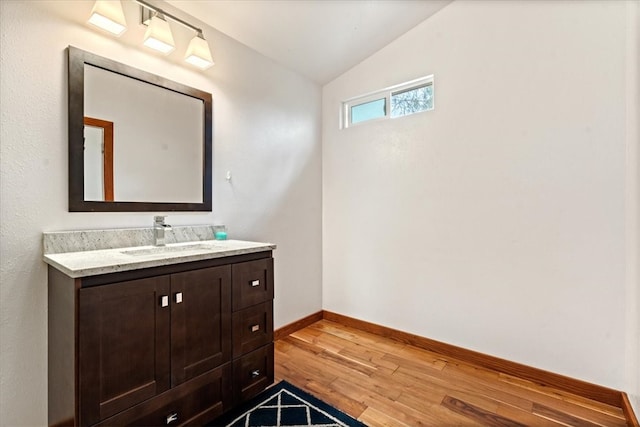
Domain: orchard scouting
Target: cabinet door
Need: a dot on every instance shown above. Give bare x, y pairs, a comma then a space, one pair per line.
123, 346
200, 322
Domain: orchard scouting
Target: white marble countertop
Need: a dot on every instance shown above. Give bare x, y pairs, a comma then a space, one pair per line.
102, 261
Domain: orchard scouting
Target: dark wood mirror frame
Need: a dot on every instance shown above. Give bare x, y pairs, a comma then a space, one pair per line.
77, 59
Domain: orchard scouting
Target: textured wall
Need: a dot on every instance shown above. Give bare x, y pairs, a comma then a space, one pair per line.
266, 132
497, 221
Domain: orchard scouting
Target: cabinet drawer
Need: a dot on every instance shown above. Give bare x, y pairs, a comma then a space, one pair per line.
193, 403
252, 373
252, 328
252, 283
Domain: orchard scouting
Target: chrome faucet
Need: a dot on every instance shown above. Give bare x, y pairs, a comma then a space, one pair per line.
159, 228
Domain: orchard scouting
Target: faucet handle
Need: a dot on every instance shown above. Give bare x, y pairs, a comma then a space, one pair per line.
159, 219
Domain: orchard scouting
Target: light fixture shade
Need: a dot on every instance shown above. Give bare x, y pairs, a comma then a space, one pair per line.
198, 53
108, 15
158, 35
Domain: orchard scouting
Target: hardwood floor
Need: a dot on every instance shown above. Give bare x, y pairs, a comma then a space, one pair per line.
383, 382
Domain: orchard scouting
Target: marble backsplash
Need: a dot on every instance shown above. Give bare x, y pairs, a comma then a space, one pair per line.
89, 240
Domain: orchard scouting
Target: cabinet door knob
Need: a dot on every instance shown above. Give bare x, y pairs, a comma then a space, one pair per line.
255, 373
255, 328
172, 417
255, 283
164, 301
178, 297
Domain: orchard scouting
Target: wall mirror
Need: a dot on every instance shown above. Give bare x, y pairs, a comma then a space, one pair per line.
137, 141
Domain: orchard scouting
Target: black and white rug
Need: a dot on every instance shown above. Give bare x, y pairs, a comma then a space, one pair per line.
285, 405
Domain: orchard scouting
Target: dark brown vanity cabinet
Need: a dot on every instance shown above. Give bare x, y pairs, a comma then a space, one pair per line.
161, 346
139, 338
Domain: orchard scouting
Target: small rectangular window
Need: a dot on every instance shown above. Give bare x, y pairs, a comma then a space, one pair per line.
400, 100
369, 110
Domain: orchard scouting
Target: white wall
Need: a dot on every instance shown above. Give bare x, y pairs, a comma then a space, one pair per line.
266, 132
497, 221
632, 385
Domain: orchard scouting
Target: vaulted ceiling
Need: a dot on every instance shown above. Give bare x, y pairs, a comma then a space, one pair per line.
320, 39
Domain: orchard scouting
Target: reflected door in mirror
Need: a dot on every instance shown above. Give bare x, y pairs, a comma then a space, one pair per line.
98, 160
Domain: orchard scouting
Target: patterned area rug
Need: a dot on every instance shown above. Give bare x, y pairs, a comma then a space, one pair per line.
285, 405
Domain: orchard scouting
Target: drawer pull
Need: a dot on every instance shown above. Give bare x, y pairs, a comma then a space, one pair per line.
172, 417
255, 373
164, 301
178, 297
255, 283
255, 328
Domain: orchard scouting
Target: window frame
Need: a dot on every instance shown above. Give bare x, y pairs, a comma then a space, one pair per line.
387, 94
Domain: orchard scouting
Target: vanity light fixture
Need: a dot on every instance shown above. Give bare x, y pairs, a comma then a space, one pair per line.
108, 15
158, 35
198, 53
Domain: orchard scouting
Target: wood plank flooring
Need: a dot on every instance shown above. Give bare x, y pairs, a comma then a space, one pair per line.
383, 382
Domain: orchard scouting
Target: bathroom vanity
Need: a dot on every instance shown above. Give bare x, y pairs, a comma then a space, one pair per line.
146, 335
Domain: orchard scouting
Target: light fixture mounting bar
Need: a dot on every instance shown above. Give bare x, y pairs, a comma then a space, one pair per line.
153, 8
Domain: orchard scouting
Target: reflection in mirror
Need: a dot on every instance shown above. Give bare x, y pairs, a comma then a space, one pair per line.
157, 138
160, 155
98, 160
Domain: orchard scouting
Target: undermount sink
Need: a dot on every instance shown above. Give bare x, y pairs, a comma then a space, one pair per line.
170, 249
